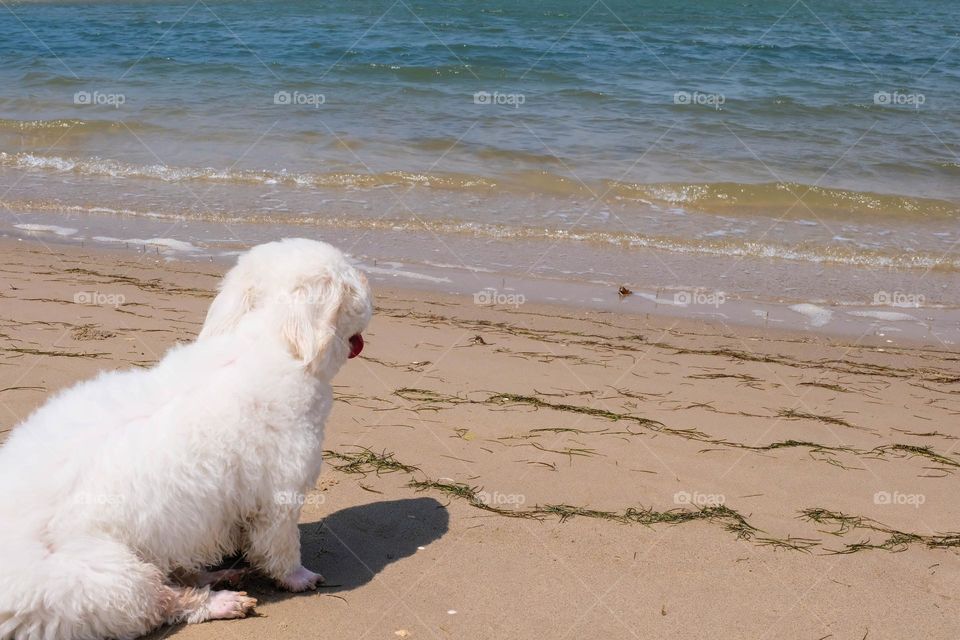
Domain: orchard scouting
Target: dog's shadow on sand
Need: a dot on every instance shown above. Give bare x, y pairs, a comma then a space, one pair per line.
351, 546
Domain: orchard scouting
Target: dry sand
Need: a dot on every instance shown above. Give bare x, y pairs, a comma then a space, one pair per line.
548, 473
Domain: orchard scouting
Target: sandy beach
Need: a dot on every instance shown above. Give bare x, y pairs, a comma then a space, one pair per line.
540, 472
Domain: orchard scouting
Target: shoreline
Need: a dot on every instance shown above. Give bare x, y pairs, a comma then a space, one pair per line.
509, 438
892, 322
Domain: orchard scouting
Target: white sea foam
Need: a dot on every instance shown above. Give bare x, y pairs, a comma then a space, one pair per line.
444, 265
404, 274
168, 243
652, 297
818, 316
50, 228
889, 316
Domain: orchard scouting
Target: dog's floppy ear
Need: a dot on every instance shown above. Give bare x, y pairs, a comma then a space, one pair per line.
234, 300
310, 315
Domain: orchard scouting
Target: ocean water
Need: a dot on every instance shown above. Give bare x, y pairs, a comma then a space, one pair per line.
778, 151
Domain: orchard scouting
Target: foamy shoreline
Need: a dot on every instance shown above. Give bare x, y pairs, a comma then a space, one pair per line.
895, 315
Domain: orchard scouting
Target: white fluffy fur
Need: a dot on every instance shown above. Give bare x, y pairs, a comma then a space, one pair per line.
121, 480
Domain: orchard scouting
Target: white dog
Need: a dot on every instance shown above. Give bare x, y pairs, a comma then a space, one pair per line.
123, 480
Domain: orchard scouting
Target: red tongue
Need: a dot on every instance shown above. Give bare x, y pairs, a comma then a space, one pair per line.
356, 345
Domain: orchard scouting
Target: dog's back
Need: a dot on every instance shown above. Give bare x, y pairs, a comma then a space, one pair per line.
135, 473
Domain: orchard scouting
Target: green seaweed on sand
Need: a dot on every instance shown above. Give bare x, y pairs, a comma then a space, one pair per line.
789, 543
570, 452
155, 285
503, 398
42, 352
425, 399
823, 385
366, 461
472, 495
793, 414
895, 540
910, 450
733, 521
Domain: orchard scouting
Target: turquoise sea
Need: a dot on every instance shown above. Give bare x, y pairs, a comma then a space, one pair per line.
802, 150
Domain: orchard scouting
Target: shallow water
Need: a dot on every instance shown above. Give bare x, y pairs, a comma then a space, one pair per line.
780, 152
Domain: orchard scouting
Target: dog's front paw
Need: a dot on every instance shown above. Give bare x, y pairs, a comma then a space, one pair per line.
301, 579
224, 605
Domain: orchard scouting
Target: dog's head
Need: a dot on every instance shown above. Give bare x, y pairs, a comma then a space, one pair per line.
305, 292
